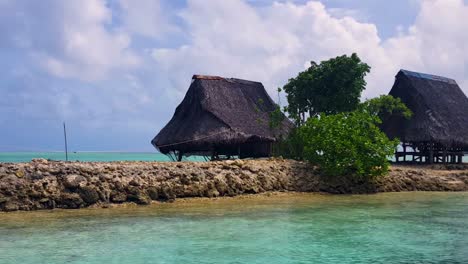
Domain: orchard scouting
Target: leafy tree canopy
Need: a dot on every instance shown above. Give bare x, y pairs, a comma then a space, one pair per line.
386, 106
331, 87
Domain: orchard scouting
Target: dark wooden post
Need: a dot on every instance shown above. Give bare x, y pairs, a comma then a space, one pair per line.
431, 156
214, 155
179, 157
404, 152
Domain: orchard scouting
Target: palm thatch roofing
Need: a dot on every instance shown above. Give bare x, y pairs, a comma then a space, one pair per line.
225, 115
440, 110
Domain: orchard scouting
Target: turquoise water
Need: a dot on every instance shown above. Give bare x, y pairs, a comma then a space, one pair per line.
306, 228
95, 156
87, 156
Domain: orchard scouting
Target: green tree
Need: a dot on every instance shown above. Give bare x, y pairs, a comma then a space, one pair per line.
276, 116
386, 106
347, 144
331, 87
290, 146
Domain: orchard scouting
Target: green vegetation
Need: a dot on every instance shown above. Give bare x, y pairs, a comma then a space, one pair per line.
331, 87
276, 117
385, 106
334, 130
347, 144
290, 147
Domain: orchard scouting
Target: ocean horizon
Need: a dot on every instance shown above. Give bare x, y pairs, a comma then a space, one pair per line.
89, 156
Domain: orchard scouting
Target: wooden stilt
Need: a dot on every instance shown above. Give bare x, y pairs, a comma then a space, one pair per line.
404, 152
214, 155
429, 153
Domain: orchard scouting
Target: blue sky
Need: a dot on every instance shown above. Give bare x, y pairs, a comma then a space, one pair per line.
116, 70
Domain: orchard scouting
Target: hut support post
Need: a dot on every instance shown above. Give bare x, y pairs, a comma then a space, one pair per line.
404, 152
179, 157
214, 155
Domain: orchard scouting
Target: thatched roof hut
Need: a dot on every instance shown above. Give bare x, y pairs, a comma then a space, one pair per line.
440, 112
222, 116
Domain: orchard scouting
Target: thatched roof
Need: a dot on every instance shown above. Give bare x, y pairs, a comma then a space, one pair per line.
440, 110
220, 112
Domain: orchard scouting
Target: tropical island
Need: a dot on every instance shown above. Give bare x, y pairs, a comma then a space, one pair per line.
326, 140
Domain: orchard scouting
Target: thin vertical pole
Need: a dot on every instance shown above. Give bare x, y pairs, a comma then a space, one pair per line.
66, 146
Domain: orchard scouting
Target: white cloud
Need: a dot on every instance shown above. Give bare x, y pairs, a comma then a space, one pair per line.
345, 12
232, 38
89, 50
271, 44
68, 61
437, 42
70, 39
146, 18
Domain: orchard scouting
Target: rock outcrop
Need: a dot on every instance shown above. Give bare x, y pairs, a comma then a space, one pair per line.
44, 184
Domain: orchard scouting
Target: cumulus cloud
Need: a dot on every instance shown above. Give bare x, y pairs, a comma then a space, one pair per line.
271, 44
437, 42
69, 39
232, 38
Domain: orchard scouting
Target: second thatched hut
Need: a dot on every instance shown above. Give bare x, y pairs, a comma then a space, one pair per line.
438, 129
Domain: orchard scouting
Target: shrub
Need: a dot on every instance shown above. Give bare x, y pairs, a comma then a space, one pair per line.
347, 144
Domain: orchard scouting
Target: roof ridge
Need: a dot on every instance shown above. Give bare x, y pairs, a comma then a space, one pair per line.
206, 77
243, 81
428, 76
214, 77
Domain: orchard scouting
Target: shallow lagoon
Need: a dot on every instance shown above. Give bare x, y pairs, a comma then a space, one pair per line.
279, 228
88, 156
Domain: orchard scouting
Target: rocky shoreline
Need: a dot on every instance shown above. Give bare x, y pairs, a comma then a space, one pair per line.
43, 184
